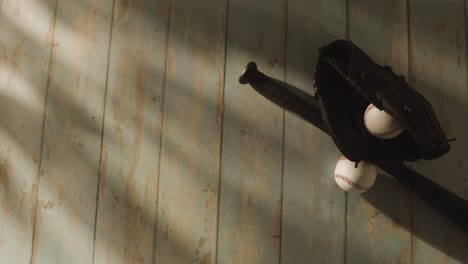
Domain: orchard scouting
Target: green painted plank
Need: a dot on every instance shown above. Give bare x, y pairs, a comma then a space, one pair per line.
379, 221
192, 122
251, 172
439, 72
126, 217
25, 34
68, 181
313, 224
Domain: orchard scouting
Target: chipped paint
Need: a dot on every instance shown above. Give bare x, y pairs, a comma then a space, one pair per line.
123, 7
12, 63
219, 100
202, 241
6, 170
35, 157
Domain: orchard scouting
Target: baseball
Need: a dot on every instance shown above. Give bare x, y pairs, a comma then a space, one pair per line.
351, 179
380, 124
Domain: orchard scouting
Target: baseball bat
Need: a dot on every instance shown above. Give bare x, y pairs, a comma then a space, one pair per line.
307, 107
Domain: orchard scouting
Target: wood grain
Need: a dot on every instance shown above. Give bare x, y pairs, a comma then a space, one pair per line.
126, 217
174, 114
313, 226
379, 221
251, 173
26, 27
439, 72
68, 181
192, 122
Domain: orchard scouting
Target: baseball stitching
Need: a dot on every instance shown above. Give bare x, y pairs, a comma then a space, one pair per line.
351, 182
383, 134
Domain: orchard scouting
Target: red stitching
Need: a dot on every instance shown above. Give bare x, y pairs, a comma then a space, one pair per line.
351, 182
370, 107
383, 134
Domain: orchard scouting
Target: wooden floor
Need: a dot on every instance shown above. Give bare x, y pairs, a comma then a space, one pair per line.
125, 136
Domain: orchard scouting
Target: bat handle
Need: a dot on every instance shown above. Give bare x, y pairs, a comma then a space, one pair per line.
291, 98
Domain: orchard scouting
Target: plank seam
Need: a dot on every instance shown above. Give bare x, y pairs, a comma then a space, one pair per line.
44, 116
284, 129
411, 201
102, 129
226, 27
161, 129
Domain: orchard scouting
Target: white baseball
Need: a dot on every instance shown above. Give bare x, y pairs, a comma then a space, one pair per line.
351, 179
380, 124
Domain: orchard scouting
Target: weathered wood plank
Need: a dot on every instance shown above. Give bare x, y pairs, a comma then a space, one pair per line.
192, 122
25, 44
439, 71
68, 181
250, 202
379, 221
313, 226
126, 217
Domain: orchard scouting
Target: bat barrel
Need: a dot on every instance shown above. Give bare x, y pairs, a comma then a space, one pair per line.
449, 204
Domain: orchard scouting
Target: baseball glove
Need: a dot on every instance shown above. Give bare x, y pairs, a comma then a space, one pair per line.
347, 81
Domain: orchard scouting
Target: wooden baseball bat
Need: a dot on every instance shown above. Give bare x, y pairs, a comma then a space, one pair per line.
307, 107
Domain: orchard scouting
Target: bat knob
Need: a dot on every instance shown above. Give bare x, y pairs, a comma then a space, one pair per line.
249, 71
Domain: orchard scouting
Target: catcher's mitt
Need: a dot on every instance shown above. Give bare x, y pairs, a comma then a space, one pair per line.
347, 81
